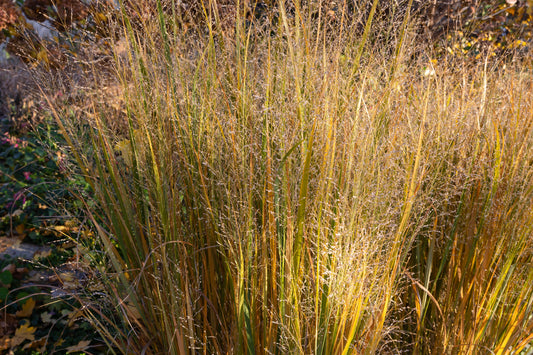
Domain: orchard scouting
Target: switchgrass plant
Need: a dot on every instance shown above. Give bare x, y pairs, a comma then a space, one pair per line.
472, 265
308, 190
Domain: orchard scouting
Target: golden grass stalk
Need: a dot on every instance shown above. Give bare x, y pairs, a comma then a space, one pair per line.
304, 192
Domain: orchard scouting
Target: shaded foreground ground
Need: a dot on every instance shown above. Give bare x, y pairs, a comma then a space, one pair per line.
42, 266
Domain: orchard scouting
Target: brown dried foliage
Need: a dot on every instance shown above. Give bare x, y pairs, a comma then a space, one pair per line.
62, 12
8, 13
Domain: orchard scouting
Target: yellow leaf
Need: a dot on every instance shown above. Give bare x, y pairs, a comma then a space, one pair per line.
67, 277
36, 344
81, 346
71, 223
25, 332
20, 229
69, 281
87, 234
5, 343
74, 315
42, 56
61, 229
27, 309
101, 17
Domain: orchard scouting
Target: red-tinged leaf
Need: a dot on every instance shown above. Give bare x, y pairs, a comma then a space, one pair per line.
5, 343
36, 344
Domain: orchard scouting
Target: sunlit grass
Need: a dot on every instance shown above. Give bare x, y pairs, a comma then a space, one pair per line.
310, 192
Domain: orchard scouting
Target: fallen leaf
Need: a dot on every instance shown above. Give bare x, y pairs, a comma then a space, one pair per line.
42, 56
25, 332
27, 309
41, 254
36, 344
5, 343
6, 278
67, 277
47, 318
69, 281
74, 315
11, 268
20, 229
17, 213
81, 346
20, 272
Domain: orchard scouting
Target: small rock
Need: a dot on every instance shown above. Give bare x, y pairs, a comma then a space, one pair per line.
24, 250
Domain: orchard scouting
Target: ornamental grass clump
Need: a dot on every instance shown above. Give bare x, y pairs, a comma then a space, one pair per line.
308, 190
470, 268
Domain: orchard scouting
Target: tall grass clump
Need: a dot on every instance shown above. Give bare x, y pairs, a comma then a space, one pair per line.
305, 189
470, 267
